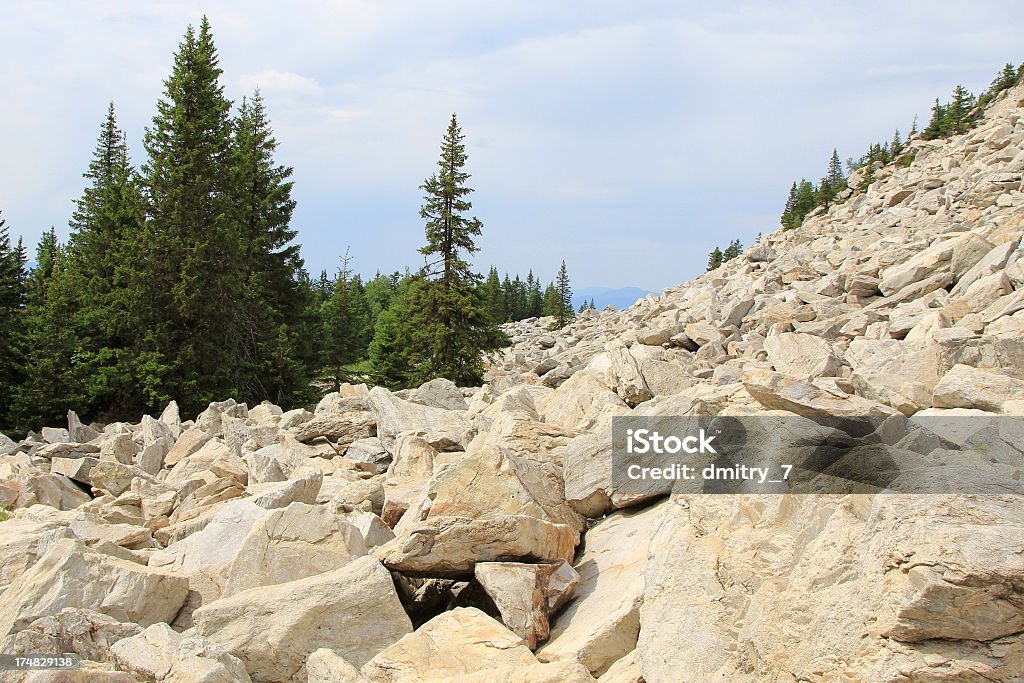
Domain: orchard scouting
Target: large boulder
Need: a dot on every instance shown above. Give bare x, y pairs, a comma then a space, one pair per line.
394, 416
162, 655
802, 356
967, 387
73, 575
601, 622
353, 610
583, 402
455, 643
490, 490
890, 587
292, 543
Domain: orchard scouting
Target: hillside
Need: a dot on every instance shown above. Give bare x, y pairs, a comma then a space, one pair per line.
481, 534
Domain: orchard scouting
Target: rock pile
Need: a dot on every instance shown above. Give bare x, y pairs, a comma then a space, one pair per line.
456, 534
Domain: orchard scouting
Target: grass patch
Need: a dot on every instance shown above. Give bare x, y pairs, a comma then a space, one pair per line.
4, 516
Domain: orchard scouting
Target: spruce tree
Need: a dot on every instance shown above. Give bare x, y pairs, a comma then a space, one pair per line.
958, 115
833, 183
345, 317
565, 311
267, 335
12, 303
734, 249
714, 259
107, 221
552, 303
449, 326
52, 384
190, 272
789, 217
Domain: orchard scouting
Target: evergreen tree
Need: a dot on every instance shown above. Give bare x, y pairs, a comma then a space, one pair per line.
267, 334
958, 115
936, 125
833, 183
191, 272
714, 259
12, 303
108, 219
734, 249
448, 326
345, 317
493, 295
552, 304
534, 299
565, 312
51, 385
789, 217
896, 146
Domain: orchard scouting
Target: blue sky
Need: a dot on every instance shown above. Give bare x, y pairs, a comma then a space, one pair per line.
627, 138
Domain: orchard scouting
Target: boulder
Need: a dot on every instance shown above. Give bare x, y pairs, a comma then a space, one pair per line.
601, 622
583, 402
353, 610
967, 387
72, 575
802, 356
526, 594
84, 632
161, 654
293, 543
394, 416
455, 643
777, 392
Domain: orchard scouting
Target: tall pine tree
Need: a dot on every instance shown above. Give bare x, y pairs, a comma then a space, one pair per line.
565, 311
108, 219
269, 332
12, 302
190, 274
449, 326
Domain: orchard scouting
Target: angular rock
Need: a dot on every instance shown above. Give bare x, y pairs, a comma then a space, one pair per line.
601, 622
802, 356
343, 428
456, 643
293, 543
72, 575
353, 610
967, 387
777, 392
526, 594
161, 654
394, 416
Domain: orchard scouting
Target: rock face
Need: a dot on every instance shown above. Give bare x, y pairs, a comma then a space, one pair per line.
268, 544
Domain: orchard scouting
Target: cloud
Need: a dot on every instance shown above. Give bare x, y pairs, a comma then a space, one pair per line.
628, 138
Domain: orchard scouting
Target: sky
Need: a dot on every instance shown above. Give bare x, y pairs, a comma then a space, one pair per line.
627, 138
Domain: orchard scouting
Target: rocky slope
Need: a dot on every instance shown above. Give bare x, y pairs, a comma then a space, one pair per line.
475, 534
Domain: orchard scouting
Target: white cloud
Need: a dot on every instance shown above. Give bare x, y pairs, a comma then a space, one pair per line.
664, 125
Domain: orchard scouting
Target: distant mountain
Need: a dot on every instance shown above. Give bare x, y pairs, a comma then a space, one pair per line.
624, 297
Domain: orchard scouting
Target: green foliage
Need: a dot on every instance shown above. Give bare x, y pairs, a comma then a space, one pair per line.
714, 259
833, 183
12, 302
803, 198
53, 381
441, 323
564, 313
346, 319
718, 256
